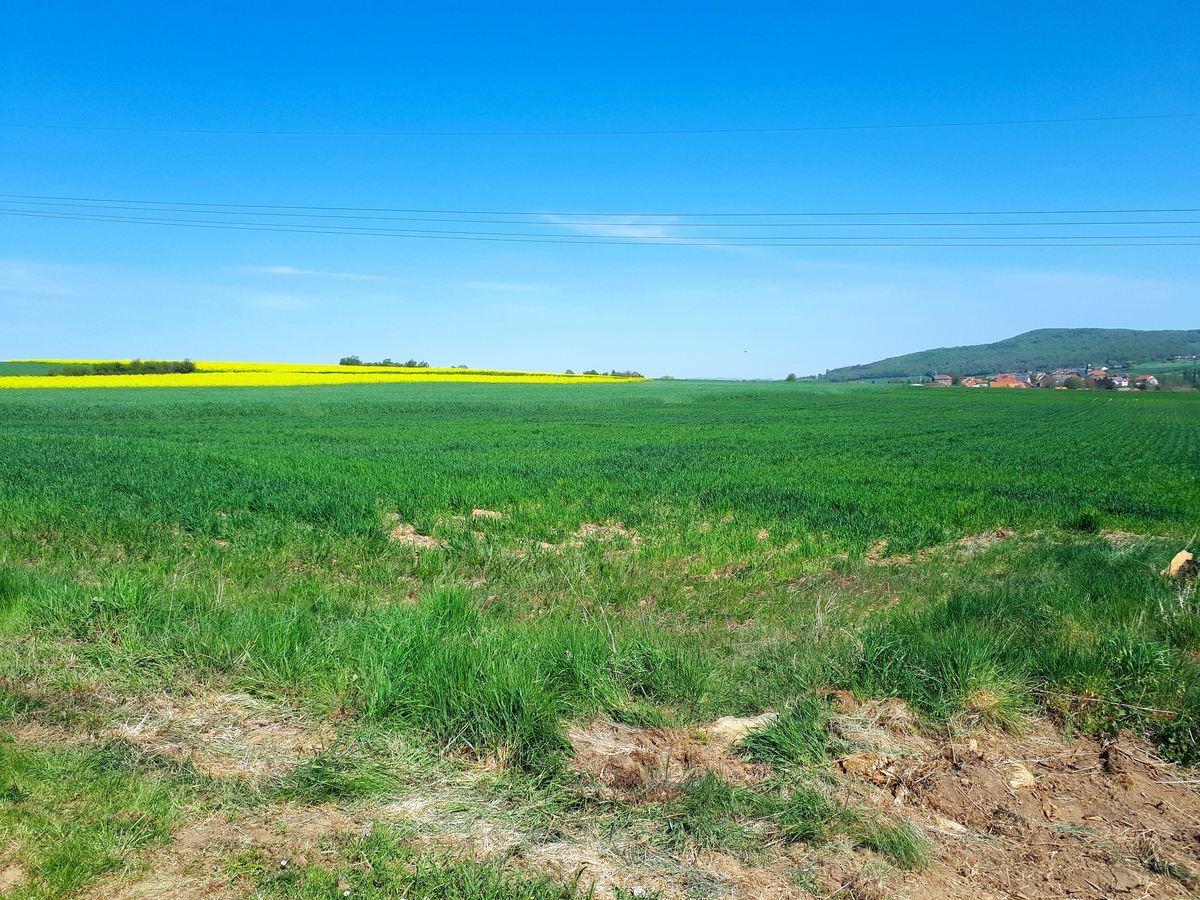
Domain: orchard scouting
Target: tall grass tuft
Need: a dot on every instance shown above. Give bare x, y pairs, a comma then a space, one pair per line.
797, 737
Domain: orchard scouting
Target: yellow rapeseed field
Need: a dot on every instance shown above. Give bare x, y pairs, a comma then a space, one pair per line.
252, 374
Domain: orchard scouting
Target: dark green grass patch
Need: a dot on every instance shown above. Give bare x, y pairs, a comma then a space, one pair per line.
1086, 629
335, 774
711, 814
812, 816
383, 865
472, 680
797, 737
70, 815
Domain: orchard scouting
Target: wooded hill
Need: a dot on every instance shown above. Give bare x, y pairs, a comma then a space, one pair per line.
1040, 350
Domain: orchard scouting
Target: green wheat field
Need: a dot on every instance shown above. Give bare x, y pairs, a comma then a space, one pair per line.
384, 625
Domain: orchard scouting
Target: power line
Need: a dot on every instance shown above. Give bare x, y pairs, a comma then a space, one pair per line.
680, 132
508, 237
544, 213
338, 229
196, 209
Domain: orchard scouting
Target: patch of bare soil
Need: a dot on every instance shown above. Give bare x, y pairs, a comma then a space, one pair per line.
407, 536
287, 835
652, 763
228, 735
1039, 815
12, 876
728, 730
967, 545
724, 573
1121, 537
590, 531
450, 823
222, 735
1182, 565
770, 881
612, 866
974, 543
1011, 816
602, 871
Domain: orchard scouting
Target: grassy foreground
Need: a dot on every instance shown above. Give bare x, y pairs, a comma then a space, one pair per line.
665, 554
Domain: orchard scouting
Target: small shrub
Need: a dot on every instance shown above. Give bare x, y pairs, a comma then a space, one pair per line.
135, 367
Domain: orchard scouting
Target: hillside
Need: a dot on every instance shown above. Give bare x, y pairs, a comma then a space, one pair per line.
1046, 348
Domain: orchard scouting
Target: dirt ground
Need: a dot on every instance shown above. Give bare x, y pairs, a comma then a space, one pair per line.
1031, 815
1040, 814
1012, 816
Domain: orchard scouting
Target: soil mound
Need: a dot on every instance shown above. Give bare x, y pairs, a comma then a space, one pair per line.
653, 763
404, 534
1041, 816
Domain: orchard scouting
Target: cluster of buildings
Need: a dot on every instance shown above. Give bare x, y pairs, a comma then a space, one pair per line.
1101, 377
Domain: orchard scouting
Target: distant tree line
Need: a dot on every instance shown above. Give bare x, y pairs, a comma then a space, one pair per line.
133, 367
410, 364
615, 373
1167, 381
1185, 380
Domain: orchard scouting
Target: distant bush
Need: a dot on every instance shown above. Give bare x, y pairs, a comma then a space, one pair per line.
134, 367
410, 364
1170, 381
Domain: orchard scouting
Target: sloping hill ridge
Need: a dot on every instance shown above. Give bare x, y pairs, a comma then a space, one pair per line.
1045, 348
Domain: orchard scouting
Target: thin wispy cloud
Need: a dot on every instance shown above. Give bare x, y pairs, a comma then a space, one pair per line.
312, 273
661, 232
618, 228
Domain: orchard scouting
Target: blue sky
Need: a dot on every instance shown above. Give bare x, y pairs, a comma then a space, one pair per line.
84, 288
